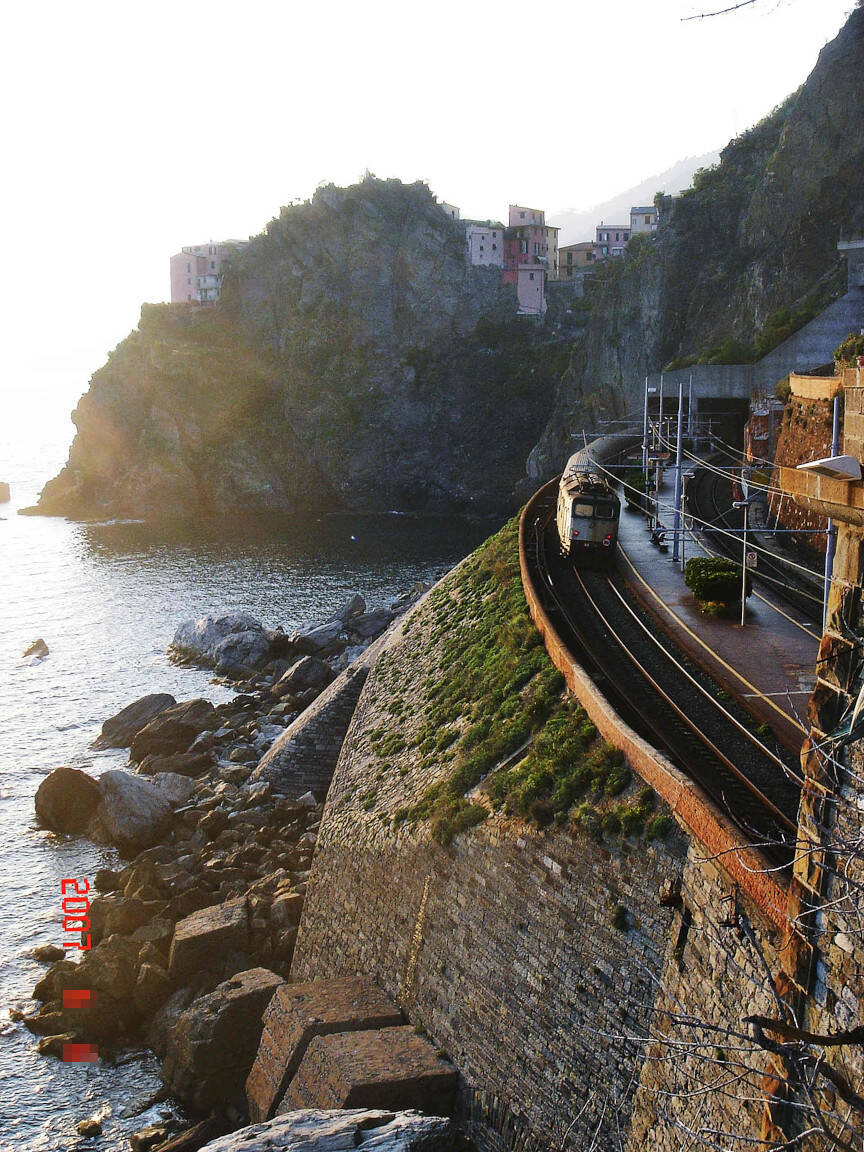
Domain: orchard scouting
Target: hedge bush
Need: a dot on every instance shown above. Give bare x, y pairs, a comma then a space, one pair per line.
713, 580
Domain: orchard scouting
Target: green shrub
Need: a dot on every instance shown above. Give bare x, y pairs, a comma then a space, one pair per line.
619, 918
659, 828
714, 580
851, 348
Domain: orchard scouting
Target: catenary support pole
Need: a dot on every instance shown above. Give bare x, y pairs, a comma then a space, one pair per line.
832, 531
645, 439
676, 527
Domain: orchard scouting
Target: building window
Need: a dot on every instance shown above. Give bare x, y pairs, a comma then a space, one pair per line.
626, 237
647, 219
523, 246
494, 235
521, 215
494, 247
188, 267
530, 275
212, 251
569, 257
604, 250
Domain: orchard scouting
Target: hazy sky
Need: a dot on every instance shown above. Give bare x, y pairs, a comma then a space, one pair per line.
131, 129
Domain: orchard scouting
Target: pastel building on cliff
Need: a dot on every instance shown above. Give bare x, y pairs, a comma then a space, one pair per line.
530, 256
196, 271
644, 219
485, 244
611, 240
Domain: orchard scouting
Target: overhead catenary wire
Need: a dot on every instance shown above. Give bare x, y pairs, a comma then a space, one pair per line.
669, 507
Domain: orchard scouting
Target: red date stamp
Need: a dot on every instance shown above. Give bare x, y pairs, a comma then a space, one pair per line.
75, 904
75, 908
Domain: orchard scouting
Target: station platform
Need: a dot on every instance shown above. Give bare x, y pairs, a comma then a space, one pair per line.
769, 663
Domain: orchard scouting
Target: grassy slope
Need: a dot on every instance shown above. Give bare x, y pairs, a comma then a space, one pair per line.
478, 687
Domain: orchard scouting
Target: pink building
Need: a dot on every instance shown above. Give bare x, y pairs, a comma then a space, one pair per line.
196, 271
530, 255
611, 240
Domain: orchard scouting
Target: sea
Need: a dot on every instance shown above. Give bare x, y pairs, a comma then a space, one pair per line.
106, 598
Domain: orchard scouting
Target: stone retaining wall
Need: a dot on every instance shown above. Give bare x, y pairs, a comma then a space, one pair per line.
688, 802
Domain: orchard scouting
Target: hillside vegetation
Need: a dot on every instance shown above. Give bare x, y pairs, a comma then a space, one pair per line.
354, 364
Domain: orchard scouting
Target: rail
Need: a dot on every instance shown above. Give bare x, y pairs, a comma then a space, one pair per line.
745, 865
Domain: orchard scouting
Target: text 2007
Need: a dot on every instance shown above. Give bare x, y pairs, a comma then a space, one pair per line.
76, 905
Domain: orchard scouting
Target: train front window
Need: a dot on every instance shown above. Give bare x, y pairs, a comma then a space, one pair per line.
604, 511
583, 509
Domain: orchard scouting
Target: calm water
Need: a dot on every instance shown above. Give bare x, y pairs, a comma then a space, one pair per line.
107, 599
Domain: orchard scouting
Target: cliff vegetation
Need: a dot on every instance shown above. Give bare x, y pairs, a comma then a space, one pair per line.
741, 260
354, 363
481, 721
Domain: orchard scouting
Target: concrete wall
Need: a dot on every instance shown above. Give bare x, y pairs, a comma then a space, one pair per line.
811, 347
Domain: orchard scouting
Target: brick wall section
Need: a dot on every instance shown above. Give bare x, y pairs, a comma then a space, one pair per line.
387, 1068
687, 801
298, 1013
305, 755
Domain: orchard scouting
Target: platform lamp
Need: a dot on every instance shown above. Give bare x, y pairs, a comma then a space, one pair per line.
745, 504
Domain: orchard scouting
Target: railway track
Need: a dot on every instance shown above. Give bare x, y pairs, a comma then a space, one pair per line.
665, 698
709, 497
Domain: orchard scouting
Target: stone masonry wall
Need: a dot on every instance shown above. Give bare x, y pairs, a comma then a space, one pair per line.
543, 963
503, 946
713, 978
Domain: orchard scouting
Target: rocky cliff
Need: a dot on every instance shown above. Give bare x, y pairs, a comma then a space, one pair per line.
354, 364
742, 259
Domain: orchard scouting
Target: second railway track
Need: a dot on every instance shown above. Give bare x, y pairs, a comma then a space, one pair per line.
665, 698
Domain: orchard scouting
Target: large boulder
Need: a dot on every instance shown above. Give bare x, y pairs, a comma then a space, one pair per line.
353, 606
314, 1130
236, 644
321, 639
213, 1044
66, 800
174, 729
180, 764
119, 731
370, 623
173, 787
205, 939
309, 672
133, 812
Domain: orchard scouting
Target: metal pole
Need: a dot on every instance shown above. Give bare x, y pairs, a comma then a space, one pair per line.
645, 439
676, 528
683, 529
832, 531
744, 568
660, 415
690, 410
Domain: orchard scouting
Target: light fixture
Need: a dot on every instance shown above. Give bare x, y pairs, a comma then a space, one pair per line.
835, 467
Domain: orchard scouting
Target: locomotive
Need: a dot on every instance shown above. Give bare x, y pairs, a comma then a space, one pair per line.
587, 512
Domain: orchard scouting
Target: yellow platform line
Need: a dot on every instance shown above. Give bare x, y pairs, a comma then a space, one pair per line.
708, 648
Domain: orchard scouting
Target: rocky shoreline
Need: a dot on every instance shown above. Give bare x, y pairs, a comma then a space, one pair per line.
184, 946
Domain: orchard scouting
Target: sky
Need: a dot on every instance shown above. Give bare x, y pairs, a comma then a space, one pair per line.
132, 128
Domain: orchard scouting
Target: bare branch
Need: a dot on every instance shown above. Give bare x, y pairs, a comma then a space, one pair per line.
720, 12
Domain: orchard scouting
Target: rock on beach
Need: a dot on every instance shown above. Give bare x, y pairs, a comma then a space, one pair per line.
119, 731
67, 799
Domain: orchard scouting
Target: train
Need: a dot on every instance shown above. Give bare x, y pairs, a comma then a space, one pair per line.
587, 512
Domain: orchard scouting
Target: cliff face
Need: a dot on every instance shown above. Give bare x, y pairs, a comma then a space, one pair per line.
354, 363
741, 260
